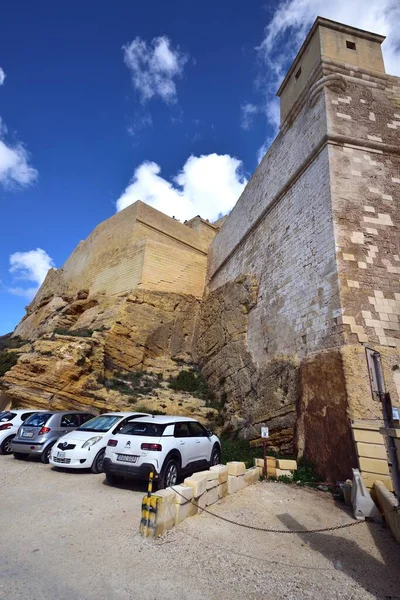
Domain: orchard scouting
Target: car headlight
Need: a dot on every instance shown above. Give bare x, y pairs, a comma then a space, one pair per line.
92, 441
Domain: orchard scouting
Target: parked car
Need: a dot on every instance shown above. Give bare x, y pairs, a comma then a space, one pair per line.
40, 431
10, 421
84, 448
168, 446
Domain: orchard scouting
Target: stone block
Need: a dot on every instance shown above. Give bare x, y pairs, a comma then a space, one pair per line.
182, 512
373, 465
193, 510
235, 484
165, 515
259, 462
212, 484
201, 501
198, 484
185, 491
212, 474
370, 478
283, 473
222, 471
389, 505
290, 465
371, 450
211, 496
236, 468
251, 475
271, 472
222, 489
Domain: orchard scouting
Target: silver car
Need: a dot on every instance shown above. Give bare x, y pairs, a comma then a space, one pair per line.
40, 432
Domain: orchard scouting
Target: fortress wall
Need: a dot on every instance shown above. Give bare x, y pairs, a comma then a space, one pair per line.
170, 269
292, 254
112, 258
365, 181
288, 153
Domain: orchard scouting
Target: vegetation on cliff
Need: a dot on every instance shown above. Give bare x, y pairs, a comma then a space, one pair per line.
9, 359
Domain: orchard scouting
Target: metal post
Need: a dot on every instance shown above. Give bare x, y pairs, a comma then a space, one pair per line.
265, 458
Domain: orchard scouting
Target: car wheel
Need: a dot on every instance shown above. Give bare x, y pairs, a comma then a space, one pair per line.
215, 456
45, 456
20, 455
97, 466
5, 447
112, 479
169, 474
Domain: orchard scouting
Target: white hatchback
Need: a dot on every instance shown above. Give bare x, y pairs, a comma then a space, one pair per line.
168, 446
84, 448
10, 421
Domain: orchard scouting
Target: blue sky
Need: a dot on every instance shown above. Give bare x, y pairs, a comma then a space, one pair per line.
104, 103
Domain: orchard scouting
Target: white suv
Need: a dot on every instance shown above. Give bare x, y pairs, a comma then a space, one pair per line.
10, 421
168, 446
84, 448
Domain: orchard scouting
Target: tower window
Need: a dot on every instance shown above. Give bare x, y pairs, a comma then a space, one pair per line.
298, 73
350, 45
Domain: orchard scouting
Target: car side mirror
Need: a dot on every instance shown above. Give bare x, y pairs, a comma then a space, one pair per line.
209, 433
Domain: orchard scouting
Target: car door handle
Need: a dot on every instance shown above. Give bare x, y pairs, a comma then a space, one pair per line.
182, 443
197, 441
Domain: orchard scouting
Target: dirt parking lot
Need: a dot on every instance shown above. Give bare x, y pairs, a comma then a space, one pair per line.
69, 536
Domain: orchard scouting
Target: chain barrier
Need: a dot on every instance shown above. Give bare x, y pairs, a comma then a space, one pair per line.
267, 530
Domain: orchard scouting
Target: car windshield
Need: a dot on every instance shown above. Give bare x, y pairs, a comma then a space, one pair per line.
102, 423
145, 429
7, 416
38, 419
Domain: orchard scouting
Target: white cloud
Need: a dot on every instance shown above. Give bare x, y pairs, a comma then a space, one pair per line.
207, 185
248, 111
14, 165
154, 67
296, 16
290, 24
31, 266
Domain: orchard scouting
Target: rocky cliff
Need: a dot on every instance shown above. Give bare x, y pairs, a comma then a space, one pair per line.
250, 394
107, 353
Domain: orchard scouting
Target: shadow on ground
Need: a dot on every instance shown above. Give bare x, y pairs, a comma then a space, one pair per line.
347, 556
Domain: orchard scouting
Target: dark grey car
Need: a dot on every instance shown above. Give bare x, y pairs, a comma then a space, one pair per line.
40, 431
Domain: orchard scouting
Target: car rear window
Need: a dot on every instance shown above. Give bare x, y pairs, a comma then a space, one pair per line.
102, 423
144, 429
38, 419
7, 416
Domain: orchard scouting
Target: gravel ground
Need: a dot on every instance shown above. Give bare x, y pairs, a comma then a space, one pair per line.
68, 536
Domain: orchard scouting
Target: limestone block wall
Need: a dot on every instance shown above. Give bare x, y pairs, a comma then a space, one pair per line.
283, 163
290, 249
171, 268
365, 184
113, 259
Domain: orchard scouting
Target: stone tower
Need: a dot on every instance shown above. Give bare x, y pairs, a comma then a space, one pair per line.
305, 272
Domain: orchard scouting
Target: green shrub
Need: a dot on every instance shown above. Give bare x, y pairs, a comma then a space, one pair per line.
238, 450
7, 360
134, 384
152, 411
8, 342
195, 384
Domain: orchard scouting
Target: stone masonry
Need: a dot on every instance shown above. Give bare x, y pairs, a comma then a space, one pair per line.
317, 227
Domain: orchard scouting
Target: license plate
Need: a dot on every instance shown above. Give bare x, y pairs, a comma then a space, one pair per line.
127, 458
60, 454
27, 434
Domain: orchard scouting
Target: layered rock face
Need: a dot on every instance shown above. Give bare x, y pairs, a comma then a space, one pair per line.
250, 394
82, 352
